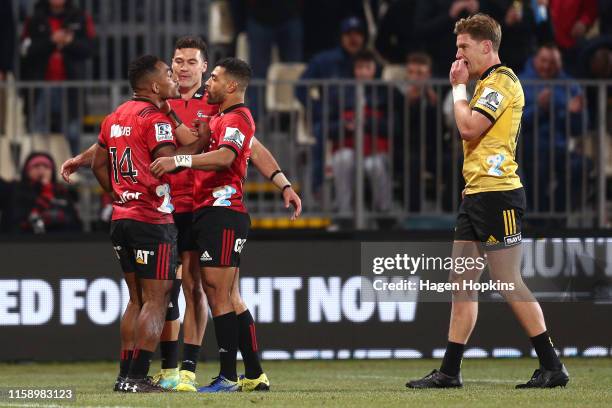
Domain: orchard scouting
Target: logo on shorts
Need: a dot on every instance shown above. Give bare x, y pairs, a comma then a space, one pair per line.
142, 256
513, 239
491, 241
117, 249
205, 257
239, 245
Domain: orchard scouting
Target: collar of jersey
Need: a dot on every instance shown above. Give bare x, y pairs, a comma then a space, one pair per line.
231, 108
199, 94
489, 70
143, 99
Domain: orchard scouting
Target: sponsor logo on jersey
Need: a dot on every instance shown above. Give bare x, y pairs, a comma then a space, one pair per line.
490, 99
234, 135
163, 132
142, 256
129, 196
119, 131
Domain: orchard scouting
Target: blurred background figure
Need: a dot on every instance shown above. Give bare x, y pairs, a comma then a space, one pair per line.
556, 110
38, 203
434, 22
58, 39
333, 63
376, 143
571, 20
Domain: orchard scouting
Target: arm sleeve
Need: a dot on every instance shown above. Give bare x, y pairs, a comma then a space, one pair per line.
102, 135
493, 99
158, 131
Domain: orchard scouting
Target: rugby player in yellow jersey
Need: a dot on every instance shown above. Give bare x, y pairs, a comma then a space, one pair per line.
489, 219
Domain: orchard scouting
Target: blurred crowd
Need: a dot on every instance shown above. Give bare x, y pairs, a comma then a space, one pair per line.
344, 39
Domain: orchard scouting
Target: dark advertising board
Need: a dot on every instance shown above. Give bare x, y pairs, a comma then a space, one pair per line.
62, 300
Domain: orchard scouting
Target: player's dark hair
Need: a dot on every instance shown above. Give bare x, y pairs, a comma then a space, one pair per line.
139, 68
364, 56
190, 41
237, 69
421, 58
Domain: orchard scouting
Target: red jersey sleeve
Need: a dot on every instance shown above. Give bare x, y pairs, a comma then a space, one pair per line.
236, 133
158, 131
102, 135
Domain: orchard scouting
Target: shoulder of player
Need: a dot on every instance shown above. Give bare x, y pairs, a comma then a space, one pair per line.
502, 77
237, 118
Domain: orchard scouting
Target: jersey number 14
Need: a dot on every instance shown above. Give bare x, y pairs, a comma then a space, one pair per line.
124, 166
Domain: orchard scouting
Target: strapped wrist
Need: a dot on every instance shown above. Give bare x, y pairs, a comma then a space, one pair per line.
459, 93
183, 160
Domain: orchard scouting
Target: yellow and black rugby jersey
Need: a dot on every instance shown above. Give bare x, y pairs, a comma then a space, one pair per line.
489, 161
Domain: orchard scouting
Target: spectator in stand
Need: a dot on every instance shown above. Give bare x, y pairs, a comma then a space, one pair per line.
59, 39
434, 22
334, 63
571, 19
7, 33
555, 109
605, 17
520, 28
37, 203
415, 143
321, 18
395, 36
376, 142
269, 23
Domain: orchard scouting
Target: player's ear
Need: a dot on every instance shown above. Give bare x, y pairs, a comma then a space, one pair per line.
155, 87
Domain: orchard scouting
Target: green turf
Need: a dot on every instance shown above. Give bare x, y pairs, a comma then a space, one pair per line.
488, 383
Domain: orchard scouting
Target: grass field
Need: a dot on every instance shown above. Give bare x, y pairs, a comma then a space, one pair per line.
373, 383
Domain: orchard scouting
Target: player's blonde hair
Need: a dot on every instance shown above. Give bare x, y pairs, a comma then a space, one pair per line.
480, 27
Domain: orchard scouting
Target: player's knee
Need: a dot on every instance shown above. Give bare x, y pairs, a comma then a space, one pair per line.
173, 309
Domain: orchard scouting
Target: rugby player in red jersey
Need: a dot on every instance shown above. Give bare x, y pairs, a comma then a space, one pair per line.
142, 228
189, 64
221, 222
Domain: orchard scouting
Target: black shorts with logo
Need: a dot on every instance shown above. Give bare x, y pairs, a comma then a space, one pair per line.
184, 225
147, 249
492, 217
220, 234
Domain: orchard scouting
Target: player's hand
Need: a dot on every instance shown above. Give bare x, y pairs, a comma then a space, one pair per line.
203, 129
68, 167
162, 165
291, 198
459, 73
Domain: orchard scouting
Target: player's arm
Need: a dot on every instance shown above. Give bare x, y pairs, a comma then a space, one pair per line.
471, 123
267, 165
101, 169
83, 159
184, 135
216, 160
